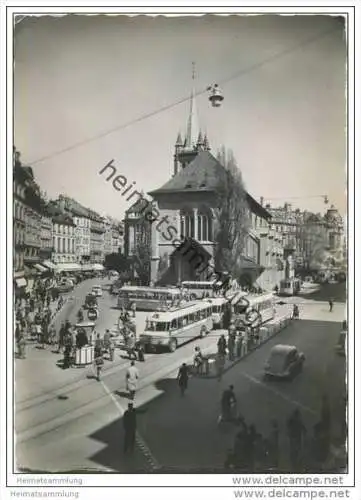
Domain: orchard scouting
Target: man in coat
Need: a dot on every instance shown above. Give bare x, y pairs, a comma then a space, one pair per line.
130, 428
132, 377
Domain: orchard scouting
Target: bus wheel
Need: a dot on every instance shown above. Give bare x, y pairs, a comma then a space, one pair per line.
172, 345
193, 296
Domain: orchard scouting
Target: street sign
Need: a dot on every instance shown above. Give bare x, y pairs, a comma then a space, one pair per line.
92, 314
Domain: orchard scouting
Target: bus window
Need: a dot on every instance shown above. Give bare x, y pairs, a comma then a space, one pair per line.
174, 324
162, 327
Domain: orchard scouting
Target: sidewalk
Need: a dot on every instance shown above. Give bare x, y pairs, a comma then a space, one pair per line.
29, 379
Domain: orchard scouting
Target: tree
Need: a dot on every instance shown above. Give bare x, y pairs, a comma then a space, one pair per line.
232, 215
313, 241
116, 262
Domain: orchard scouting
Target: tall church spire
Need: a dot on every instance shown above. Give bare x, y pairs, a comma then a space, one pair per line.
192, 125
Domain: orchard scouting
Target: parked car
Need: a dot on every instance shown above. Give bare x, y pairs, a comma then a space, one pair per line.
97, 291
284, 362
65, 286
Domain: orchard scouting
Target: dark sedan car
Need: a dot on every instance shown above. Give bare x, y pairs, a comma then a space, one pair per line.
284, 362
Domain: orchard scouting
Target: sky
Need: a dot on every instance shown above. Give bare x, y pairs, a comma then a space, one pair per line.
284, 116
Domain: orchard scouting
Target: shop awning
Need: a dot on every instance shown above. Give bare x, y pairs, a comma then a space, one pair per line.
87, 267
18, 274
68, 266
48, 264
20, 282
98, 267
40, 268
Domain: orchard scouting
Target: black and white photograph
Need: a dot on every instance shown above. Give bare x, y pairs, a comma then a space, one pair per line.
178, 279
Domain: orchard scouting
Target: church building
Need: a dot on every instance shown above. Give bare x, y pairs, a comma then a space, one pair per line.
183, 237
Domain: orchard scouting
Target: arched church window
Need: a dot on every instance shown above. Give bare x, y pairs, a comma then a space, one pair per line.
205, 232
187, 224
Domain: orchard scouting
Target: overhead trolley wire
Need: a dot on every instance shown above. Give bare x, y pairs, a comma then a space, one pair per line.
223, 81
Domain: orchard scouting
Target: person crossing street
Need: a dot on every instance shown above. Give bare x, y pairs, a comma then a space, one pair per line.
130, 428
132, 377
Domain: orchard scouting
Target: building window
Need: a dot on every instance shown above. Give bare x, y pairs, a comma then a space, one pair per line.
187, 225
204, 228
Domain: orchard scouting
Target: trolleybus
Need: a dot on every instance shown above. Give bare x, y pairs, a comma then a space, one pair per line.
175, 327
148, 299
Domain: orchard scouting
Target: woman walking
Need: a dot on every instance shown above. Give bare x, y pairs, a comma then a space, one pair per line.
183, 378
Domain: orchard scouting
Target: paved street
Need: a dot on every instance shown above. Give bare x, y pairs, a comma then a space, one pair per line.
52, 403
66, 420
188, 425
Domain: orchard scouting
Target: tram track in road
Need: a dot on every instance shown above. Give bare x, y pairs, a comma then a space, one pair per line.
46, 395
79, 411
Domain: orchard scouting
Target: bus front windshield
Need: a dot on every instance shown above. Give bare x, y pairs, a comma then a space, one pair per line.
157, 326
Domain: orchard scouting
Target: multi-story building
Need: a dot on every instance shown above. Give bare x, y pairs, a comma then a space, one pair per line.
64, 242
46, 238
29, 226
20, 182
80, 216
272, 257
117, 241
107, 236
82, 238
288, 223
314, 239
336, 236
96, 238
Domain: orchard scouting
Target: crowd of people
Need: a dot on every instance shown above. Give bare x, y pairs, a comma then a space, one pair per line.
307, 450
34, 311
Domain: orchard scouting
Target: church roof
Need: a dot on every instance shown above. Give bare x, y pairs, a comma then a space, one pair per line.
204, 173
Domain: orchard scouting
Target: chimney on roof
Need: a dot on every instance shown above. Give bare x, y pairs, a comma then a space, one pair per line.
261, 201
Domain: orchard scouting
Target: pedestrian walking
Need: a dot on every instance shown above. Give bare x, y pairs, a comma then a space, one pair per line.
130, 428
222, 345
62, 333
98, 347
330, 303
231, 342
296, 433
228, 405
239, 344
140, 350
132, 377
52, 335
182, 378
198, 360
134, 308
21, 346
111, 347
99, 362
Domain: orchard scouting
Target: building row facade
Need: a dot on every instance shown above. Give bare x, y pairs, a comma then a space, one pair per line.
55, 235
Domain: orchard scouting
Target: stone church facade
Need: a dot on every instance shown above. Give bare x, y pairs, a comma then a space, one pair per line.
183, 231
